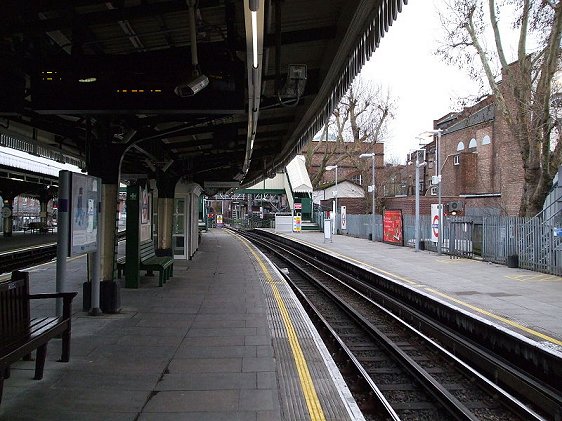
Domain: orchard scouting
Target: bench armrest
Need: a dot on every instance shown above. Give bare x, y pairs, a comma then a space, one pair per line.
67, 295
66, 300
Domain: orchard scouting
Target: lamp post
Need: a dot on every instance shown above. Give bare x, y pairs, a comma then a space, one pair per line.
438, 179
330, 168
372, 156
417, 223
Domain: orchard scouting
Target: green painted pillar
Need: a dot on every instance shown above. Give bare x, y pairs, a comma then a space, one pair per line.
132, 265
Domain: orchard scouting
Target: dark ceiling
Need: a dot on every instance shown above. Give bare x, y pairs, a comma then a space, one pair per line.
82, 71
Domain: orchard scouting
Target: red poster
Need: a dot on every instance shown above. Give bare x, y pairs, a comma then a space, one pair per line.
392, 227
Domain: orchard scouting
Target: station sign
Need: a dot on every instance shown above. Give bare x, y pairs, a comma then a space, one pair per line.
435, 215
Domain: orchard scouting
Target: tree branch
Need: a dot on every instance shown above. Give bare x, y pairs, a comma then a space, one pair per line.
497, 35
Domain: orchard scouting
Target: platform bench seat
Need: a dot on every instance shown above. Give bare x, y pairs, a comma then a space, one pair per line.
164, 265
20, 334
39, 227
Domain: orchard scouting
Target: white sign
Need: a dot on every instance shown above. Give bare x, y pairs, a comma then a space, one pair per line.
327, 230
343, 218
435, 222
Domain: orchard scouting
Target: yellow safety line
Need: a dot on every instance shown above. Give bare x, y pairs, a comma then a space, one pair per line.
456, 300
311, 397
494, 316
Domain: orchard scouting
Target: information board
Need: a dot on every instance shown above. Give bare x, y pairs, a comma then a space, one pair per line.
85, 197
297, 223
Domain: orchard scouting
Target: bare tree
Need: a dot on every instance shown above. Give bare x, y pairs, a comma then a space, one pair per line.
524, 97
357, 123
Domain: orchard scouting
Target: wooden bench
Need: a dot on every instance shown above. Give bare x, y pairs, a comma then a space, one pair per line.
164, 265
39, 227
20, 334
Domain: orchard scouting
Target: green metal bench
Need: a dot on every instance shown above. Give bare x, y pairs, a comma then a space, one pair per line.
149, 262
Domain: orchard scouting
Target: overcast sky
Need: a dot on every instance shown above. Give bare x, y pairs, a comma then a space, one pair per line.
423, 86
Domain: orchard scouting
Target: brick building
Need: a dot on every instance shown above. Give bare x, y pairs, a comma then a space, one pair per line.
389, 179
481, 166
346, 157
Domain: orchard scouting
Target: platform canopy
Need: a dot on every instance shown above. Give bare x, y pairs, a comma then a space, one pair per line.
209, 90
298, 175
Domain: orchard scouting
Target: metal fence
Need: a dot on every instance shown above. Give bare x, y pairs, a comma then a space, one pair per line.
528, 243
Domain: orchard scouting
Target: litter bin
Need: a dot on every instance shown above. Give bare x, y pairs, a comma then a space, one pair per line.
513, 261
110, 296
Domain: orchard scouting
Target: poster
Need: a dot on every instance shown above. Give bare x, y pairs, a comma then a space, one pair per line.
145, 208
145, 213
392, 227
84, 212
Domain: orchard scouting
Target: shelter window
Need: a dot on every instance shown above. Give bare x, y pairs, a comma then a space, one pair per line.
460, 146
472, 144
486, 140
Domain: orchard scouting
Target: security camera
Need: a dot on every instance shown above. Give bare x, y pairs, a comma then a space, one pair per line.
192, 87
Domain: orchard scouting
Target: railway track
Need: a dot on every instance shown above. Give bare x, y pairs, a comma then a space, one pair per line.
31, 256
395, 370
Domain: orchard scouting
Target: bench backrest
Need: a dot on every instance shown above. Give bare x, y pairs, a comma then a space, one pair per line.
146, 250
14, 305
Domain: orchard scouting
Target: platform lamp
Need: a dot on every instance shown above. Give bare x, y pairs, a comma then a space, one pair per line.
330, 168
418, 165
372, 156
437, 179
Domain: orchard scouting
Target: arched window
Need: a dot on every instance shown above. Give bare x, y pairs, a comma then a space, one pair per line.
460, 146
486, 140
472, 144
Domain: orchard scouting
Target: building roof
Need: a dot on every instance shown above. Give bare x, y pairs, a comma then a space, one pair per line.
298, 175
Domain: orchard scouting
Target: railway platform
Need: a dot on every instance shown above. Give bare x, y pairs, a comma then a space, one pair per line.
224, 339
524, 302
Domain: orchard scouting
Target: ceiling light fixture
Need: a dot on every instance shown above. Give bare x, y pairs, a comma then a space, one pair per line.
254, 5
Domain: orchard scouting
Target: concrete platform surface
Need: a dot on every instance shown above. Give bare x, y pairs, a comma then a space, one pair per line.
209, 345
525, 302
